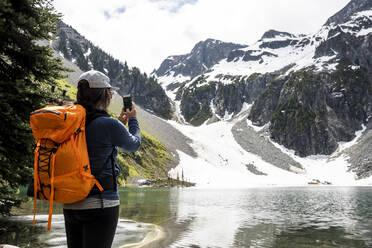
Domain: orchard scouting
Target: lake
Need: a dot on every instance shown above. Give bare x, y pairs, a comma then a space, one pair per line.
192, 217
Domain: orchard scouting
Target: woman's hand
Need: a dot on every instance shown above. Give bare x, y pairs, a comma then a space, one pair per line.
131, 113
125, 116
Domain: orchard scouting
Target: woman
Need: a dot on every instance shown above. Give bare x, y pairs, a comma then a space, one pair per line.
92, 222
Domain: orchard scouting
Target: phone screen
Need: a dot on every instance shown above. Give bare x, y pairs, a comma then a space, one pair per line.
127, 102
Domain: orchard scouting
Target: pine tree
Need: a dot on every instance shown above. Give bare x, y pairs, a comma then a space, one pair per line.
62, 45
26, 67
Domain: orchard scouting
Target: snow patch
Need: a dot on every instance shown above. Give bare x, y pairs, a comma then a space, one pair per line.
344, 145
245, 108
364, 32
166, 80
87, 53
329, 168
255, 128
355, 67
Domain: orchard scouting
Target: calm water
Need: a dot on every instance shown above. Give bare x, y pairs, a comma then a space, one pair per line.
270, 217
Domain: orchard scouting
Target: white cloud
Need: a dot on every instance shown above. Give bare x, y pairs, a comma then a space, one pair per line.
145, 32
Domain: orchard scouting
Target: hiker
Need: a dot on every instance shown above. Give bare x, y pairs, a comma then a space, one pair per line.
92, 221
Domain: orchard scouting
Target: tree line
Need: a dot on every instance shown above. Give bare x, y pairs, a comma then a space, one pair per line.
27, 72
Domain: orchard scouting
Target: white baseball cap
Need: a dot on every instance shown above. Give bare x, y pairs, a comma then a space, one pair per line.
97, 79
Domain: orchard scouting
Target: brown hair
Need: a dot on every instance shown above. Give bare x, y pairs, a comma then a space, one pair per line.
93, 97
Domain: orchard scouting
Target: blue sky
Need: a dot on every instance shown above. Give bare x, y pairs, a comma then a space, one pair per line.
145, 32
177, 4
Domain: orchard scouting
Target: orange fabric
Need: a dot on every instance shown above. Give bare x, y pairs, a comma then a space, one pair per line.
61, 158
98, 185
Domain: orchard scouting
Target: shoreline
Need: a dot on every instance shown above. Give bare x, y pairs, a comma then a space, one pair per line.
156, 234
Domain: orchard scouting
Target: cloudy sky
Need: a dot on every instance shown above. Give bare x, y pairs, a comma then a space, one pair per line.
145, 32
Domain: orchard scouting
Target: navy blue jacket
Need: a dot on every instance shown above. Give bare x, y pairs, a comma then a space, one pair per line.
104, 135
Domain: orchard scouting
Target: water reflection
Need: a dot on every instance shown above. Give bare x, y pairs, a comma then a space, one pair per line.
266, 217
277, 217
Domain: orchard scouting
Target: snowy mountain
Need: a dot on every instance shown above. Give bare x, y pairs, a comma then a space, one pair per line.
203, 56
307, 93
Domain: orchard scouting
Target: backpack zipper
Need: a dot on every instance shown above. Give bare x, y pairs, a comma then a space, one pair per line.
46, 111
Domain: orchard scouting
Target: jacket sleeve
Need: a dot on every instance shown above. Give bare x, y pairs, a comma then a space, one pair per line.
128, 140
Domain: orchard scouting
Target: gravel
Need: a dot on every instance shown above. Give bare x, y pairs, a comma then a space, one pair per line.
258, 143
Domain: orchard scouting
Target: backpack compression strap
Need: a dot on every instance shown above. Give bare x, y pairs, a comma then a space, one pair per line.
36, 177
51, 190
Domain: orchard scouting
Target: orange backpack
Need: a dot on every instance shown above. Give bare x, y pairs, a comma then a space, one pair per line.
61, 167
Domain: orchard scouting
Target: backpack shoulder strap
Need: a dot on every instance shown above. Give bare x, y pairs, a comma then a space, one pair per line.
91, 116
107, 182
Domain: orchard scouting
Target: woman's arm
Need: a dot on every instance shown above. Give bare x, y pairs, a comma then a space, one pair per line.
120, 136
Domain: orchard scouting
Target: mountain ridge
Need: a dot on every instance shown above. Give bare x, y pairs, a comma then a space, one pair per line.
202, 56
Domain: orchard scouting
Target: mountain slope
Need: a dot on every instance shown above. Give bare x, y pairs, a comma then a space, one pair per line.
145, 90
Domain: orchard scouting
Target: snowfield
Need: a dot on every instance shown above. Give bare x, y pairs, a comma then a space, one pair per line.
221, 162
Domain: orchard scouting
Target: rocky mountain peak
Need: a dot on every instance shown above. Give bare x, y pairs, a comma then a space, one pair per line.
271, 34
203, 56
354, 6
208, 43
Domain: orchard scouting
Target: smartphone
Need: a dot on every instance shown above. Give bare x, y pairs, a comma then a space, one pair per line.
127, 101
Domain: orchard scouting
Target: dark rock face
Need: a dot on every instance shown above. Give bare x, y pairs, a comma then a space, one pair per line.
344, 15
168, 63
310, 111
267, 102
145, 90
271, 34
196, 101
203, 56
356, 49
249, 55
276, 44
300, 118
